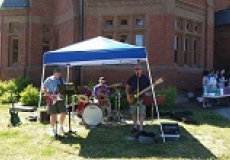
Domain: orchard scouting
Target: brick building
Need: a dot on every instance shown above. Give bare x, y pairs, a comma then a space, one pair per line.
222, 40
178, 35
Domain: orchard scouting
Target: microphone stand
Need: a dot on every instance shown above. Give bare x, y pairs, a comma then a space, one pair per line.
138, 101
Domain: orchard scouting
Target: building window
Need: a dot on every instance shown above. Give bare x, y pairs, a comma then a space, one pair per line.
139, 39
124, 38
139, 22
14, 46
109, 36
187, 26
129, 28
196, 50
185, 49
124, 22
46, 38
109, 22
46, 46
14, 28
175, 48
187, 43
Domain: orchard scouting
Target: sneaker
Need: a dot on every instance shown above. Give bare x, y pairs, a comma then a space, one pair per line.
61, 131
52, 132
134, 130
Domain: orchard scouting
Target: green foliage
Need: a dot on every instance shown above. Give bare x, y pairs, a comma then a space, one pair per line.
6, 98
29, 96
170, 98
6, 88
22, 82
10, 86
123, 102
90, 85
2, 87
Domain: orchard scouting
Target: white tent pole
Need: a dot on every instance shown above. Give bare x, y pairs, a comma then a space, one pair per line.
154, 98
67, 75
42, 79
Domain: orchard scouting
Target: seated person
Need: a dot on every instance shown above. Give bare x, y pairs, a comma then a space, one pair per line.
101, 93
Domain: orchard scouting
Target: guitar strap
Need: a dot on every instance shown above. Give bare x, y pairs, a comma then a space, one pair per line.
61, 81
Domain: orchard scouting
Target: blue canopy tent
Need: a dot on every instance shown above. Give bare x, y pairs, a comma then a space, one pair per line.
95, 51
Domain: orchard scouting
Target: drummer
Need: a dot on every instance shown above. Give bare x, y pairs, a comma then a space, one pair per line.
101, 93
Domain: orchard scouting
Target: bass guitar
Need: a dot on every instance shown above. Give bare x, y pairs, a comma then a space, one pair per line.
133, 97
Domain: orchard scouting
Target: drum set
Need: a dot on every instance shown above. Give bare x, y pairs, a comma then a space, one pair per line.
87, 107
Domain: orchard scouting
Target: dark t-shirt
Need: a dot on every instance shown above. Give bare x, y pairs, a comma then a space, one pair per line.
143, 83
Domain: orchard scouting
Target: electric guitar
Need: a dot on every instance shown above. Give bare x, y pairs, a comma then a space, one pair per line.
82, 98
133, 97
52, 101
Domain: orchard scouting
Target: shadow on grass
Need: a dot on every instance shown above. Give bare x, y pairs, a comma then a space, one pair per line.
203, 116
112, 142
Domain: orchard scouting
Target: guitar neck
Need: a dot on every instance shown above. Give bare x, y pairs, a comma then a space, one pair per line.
143, 91
149, 87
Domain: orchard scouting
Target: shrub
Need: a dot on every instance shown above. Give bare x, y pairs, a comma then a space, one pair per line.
29, 96
10, 86
6, 88
6, 98
170, 98
2, 87
21, 83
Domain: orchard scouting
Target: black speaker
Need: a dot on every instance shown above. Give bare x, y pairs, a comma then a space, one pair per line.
171, 131
170, 128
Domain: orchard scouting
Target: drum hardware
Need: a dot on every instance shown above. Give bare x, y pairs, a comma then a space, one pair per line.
117, 116
92, 115
71, 108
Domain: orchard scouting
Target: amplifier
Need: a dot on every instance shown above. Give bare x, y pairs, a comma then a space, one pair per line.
171, 131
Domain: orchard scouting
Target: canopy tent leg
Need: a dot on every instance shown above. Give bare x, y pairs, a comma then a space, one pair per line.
42, 79
154, 97
67, 75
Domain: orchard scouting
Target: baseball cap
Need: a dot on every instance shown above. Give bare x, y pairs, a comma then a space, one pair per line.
138, 67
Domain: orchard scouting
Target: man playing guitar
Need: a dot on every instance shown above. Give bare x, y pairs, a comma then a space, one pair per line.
101, 92
136, 83
54, 102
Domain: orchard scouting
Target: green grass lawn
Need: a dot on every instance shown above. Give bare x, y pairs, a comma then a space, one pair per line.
208, 140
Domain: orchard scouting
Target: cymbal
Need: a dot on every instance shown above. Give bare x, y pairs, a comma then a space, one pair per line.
117, 85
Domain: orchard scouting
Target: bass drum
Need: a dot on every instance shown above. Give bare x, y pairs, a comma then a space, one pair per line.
92, 115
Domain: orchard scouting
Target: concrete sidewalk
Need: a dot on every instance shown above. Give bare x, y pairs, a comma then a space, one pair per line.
225, 112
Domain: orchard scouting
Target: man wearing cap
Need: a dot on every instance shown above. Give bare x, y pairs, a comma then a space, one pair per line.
101, 92
55, 105
135, 84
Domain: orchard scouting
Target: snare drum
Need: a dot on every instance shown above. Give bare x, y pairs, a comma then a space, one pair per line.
92, 114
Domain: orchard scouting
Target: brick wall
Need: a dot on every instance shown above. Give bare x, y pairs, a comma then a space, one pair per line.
64, 17
221, 4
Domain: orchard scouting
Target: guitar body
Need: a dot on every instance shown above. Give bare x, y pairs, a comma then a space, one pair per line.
14, 118
133, 97
49, 101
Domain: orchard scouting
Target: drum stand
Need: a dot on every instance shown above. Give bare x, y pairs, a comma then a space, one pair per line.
70, 128
118, 106
71, 108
